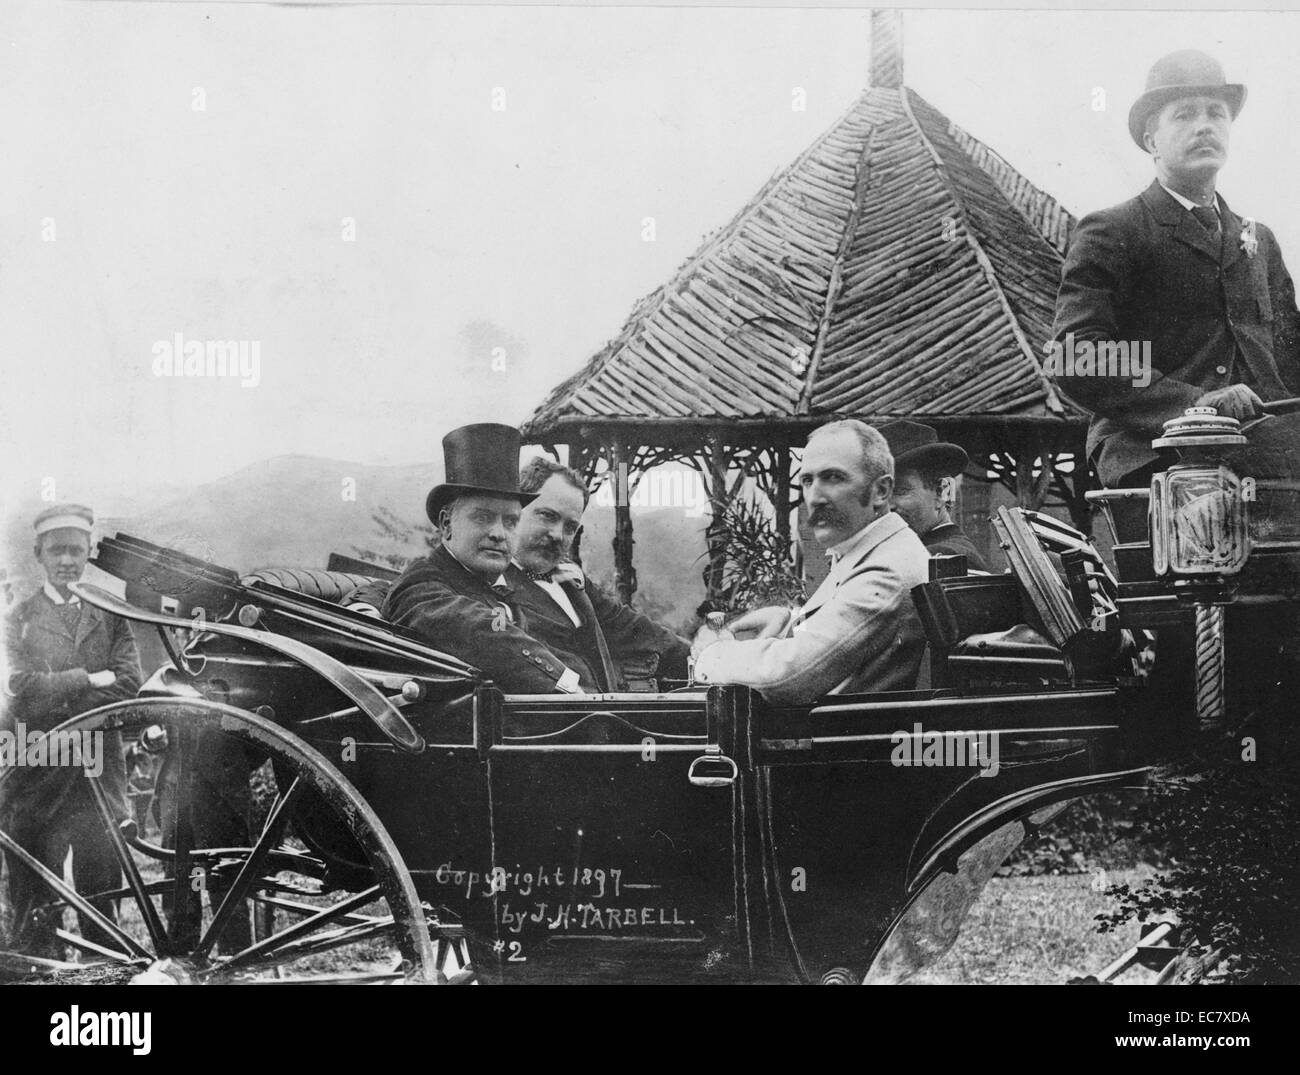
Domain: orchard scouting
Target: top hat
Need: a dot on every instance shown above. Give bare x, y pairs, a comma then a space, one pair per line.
60, 516
481, 458
1188, 73
917, 447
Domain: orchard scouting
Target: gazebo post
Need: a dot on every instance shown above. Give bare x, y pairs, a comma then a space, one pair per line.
717, 489
624, 572
781, 488
577, 461
1031, 492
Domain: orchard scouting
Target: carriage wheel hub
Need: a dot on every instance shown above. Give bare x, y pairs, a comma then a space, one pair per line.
165, 972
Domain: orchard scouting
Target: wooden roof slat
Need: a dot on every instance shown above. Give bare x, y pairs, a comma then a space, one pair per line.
844, 253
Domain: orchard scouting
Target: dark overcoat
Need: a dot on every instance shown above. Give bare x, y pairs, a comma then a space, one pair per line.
47, 681
1213, 313
457, 612
624, 631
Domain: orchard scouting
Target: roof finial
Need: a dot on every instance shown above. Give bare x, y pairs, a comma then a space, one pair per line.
887, 48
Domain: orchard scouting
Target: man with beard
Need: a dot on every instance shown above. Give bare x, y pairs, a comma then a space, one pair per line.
589, 629
860, 630
457, 598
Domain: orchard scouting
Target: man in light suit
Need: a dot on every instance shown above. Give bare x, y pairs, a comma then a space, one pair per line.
860, 630
587, 628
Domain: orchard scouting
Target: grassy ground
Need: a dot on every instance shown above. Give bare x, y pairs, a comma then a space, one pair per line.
1036, 930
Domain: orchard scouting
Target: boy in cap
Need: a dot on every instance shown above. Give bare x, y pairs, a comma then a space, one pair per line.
63, 658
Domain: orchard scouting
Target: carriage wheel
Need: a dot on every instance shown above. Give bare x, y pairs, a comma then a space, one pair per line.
186, 914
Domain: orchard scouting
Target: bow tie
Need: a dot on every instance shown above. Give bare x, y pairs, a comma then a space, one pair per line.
540, 576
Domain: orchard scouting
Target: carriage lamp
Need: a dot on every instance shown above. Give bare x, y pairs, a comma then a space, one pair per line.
1198, 510
1200, 538
1198, 522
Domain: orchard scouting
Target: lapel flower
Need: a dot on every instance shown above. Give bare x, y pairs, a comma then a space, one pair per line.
1249, 241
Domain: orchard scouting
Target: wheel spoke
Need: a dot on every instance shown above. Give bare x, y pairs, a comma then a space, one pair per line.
325, 942
93, 948
359, 978
157, 932
262, 949
71, 897
183, 925
25, 964
296, 907
270, 838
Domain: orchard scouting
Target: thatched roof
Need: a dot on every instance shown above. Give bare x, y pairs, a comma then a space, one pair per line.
899, 267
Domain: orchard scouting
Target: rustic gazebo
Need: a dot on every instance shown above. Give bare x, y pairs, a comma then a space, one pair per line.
898, 268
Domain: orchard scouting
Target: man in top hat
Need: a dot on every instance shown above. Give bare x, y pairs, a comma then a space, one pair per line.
64, 657
1177, 269
925, 473
593, 631
860, 630
458, 597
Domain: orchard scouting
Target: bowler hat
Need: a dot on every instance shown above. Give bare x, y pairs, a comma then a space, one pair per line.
917, 447
1188, 73
481, 458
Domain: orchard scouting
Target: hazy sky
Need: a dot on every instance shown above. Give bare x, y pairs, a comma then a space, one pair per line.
475, 228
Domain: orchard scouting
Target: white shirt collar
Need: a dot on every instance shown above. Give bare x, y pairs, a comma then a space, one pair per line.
557, 595
1187, 203
57, 597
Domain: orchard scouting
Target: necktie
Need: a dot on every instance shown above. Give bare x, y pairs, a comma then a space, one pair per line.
1208, 218
71, 613
501, 589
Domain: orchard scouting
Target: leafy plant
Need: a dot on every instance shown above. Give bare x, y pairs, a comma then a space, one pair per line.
1231, 829
758, 565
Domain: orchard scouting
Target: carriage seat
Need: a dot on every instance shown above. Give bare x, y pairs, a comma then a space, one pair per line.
332, 586
1019, 650
977, 631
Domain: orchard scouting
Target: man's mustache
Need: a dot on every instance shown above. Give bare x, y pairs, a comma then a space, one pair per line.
825, 516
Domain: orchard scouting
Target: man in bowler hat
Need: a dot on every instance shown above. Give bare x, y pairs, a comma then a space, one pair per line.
1178, 269
458, 598
925, 469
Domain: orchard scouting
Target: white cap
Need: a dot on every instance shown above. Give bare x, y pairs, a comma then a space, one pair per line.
65, 516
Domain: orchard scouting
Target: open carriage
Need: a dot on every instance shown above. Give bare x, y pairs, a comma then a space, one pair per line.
415, 823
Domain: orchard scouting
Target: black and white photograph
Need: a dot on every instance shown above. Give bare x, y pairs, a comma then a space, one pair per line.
693, 495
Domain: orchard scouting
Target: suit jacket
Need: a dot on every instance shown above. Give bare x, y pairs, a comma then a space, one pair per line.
47, 681
858, 632
1147, 270
623, 630
947, 539
457, 612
